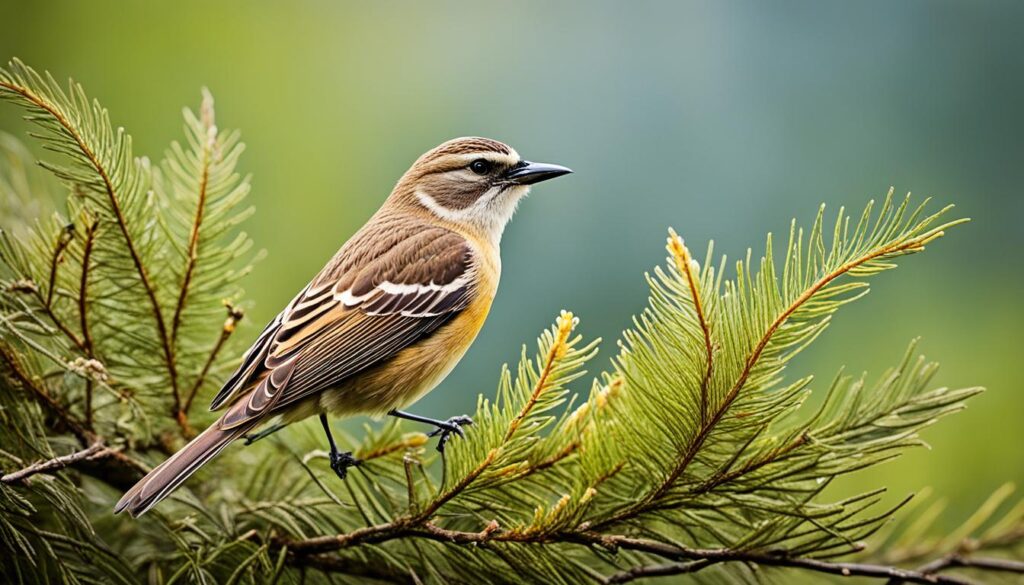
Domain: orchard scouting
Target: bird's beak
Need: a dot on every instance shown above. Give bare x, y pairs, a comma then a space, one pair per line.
528, 173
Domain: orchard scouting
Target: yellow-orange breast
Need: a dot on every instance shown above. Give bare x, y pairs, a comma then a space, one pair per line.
419, 368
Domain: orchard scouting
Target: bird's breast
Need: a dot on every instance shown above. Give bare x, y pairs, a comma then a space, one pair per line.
419, 368
413, 371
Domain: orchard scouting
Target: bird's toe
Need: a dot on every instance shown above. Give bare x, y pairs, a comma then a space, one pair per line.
340, 462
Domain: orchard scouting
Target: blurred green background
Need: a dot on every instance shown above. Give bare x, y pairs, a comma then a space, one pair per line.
720, 119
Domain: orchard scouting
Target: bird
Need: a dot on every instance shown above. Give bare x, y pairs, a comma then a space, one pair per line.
385, 320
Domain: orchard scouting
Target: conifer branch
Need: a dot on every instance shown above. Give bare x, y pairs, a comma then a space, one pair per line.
839, 569
557, 350
88, 346
95, 451
899, 246
11, 86
192, 253
46, 303
420, 521
55, 260
692, 560
42, 396
235, 315
957, 560
685, 265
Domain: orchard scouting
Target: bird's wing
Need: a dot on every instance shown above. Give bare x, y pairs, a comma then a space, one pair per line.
368, 303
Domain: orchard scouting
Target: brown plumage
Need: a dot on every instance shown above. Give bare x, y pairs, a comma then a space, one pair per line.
386, 319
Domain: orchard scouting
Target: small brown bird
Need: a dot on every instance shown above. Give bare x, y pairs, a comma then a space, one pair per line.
385, 320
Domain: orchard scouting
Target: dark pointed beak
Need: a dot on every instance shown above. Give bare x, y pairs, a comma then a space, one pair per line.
528, 173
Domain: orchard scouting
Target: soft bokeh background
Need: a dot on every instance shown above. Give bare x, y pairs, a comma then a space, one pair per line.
720, 119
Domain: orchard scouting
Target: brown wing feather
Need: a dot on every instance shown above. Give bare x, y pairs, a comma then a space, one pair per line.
251, 365
368, 303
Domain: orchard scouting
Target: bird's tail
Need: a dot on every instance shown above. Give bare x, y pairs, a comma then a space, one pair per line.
170, 474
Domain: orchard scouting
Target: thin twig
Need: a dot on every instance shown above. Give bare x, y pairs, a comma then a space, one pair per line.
752, 465
688, 560
410, 482
661, 570
841, 569
554, 459
59, 323
985, 563
83, 314
63, 240
401, 528
235, 315
95, 451
957, 560
43, 397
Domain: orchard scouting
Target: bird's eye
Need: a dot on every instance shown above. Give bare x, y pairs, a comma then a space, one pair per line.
480, 166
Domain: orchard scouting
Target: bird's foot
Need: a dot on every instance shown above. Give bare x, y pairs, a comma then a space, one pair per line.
449, 427
341, 461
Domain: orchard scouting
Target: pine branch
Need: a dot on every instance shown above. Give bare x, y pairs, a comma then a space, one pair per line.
88, 346
953, 561
192, 253
235, 315
91, 453
686, 266
694, 560
559, 348
21, 85
42, 396
985, 532
201, 177
840, 569
64, 238
899, 246
57, 257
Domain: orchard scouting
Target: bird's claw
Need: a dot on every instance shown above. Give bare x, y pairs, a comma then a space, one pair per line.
448, 427
341, 461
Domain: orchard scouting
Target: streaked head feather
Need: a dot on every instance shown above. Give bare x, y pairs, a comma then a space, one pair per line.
442, 184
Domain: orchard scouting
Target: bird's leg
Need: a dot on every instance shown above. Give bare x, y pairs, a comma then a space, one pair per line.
445, 428
340, 462
253, 437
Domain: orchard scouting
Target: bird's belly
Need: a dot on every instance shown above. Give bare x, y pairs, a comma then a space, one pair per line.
412, 372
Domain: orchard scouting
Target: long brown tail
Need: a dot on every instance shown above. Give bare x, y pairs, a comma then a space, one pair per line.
170, 474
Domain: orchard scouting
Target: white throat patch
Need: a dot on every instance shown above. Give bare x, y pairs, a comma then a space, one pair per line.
490, 213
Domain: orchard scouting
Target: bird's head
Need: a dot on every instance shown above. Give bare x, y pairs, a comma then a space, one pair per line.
472, 182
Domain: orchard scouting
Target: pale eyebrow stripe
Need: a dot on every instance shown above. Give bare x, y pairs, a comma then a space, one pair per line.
450, 162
